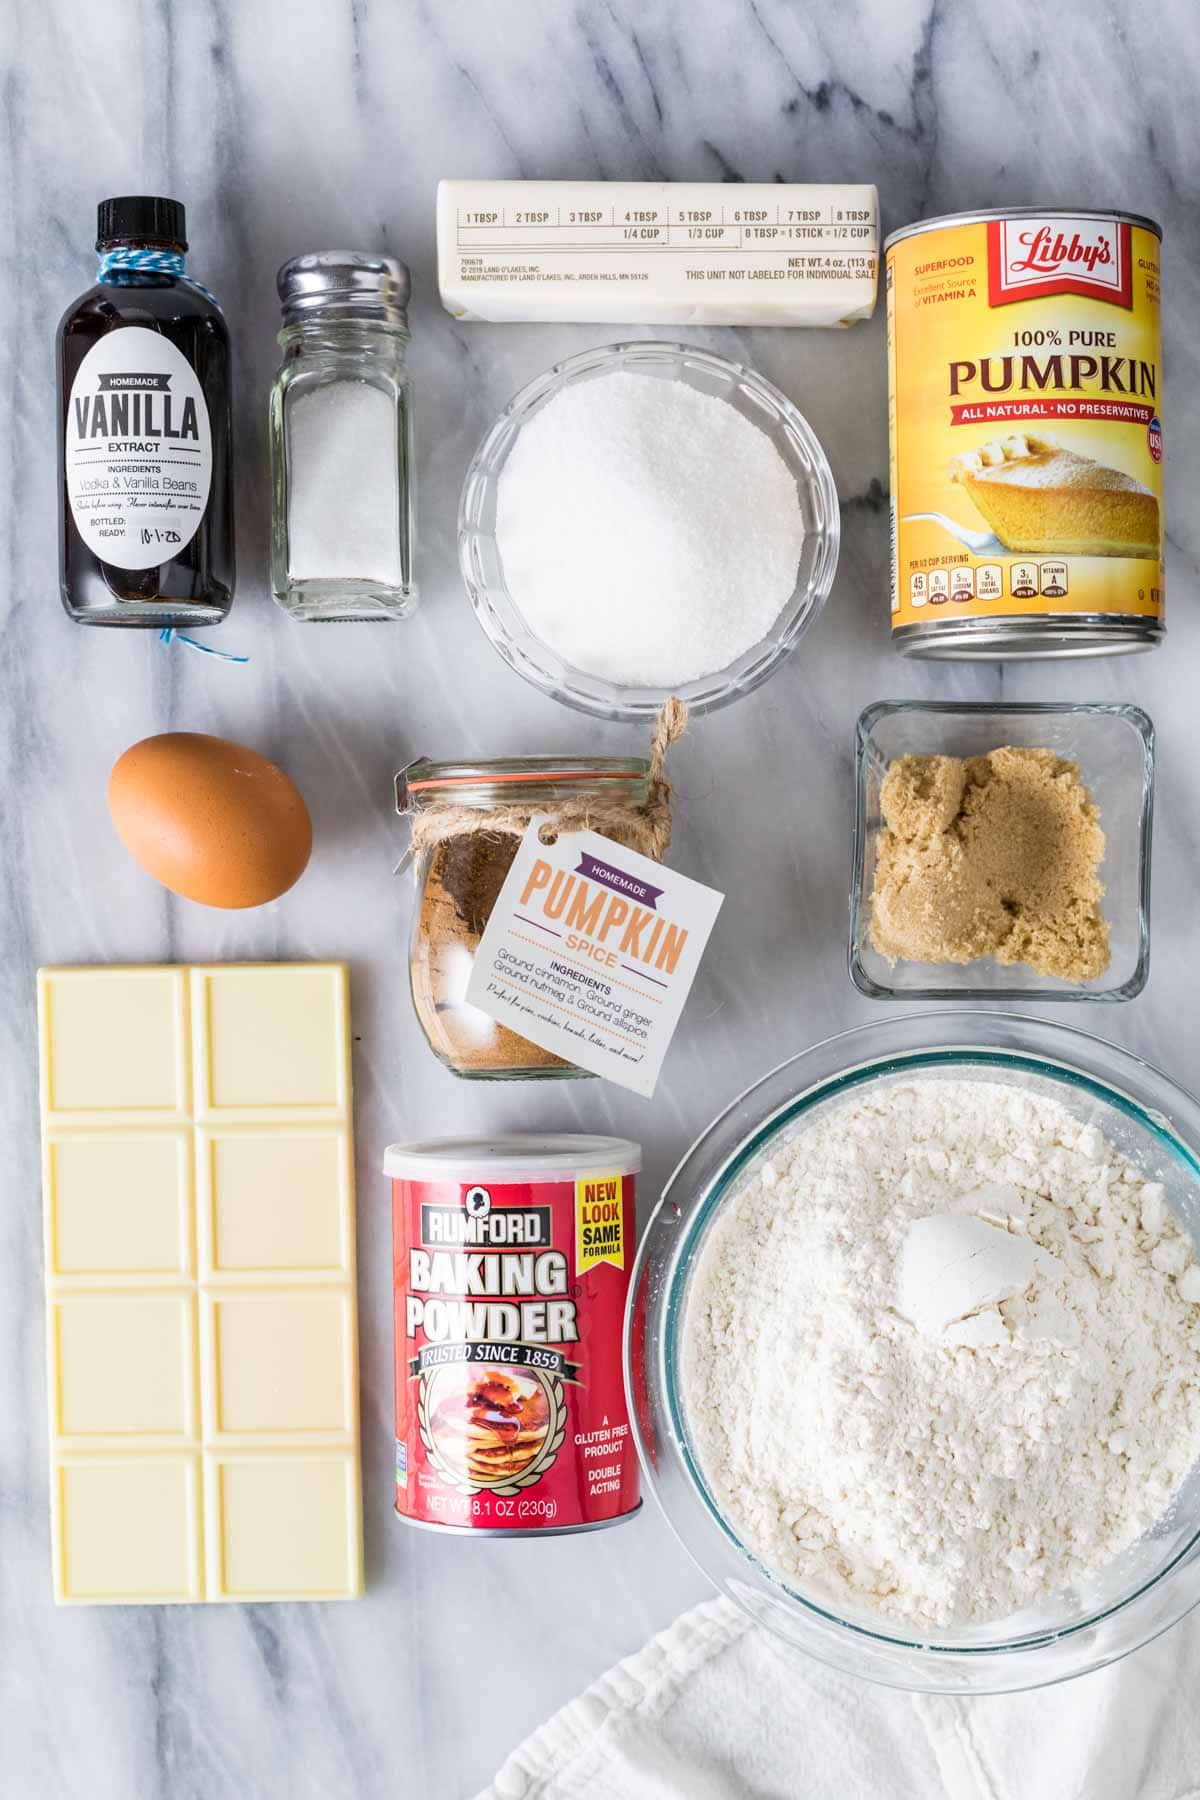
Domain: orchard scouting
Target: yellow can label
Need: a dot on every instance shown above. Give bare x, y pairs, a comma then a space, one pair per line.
1025, 395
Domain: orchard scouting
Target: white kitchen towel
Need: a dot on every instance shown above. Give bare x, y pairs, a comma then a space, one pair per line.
716, 1709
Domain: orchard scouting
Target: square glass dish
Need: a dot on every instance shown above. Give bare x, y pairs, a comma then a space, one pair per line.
1114, 747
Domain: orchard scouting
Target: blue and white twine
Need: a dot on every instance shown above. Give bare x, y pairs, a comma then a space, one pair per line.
169, 635
126, 260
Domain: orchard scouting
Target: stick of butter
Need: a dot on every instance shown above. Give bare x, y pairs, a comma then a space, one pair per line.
658, 253
199, 1212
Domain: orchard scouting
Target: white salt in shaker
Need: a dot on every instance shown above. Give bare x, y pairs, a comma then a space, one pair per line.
341, 440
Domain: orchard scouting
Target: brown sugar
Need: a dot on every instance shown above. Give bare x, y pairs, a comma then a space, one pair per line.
995, 855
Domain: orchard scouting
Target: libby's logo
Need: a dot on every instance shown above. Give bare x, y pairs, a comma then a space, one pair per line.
1031, 257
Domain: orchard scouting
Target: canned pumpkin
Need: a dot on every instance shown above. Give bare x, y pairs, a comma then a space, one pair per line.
1025, 395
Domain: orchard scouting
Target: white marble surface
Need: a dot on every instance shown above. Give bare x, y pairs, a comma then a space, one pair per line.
288, 125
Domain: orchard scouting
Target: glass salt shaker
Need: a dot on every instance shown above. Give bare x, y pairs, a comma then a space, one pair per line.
341, 440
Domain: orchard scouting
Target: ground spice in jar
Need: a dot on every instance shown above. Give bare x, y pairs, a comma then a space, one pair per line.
461, 886
471, 871
467, 823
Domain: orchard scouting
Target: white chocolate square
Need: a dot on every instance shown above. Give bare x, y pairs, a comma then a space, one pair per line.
286, 1528
124, 1365
199, 1222
270, 1037
282, 1362
275, 1202
119, 1203
114, 1041
129, 1529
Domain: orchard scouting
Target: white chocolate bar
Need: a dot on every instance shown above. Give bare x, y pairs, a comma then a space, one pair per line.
199, 1223
658, 253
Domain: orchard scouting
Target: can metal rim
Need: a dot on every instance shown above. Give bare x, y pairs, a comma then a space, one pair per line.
1033, 637
1021, 212
518, 1531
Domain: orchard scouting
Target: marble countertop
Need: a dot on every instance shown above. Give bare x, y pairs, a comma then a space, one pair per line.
287, 127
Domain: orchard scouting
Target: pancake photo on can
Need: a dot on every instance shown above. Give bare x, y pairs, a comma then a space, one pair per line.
489, 1426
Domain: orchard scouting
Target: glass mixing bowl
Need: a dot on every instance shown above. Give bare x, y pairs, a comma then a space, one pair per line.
1151, 1120
761, 402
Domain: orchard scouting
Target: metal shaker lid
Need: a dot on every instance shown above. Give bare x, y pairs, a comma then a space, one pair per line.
344, 284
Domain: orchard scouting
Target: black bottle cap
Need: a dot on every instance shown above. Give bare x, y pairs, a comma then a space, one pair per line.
141, 219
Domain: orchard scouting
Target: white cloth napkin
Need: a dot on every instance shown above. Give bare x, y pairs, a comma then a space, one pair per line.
716, 1709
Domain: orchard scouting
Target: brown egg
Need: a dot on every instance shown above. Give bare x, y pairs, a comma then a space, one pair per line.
211, 820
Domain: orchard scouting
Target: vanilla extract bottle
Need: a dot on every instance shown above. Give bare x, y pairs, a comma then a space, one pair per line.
145, 452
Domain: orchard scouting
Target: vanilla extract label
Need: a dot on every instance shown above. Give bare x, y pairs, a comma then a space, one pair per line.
138, 450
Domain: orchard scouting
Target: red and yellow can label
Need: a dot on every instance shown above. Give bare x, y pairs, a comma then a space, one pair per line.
1025, 409
511, 1412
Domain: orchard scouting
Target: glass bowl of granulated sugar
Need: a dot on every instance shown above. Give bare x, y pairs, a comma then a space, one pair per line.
648, 520
913, 1352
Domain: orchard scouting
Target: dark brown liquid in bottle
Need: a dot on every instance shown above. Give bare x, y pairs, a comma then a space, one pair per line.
194, 586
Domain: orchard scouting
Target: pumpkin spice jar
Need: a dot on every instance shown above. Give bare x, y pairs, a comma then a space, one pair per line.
467, 820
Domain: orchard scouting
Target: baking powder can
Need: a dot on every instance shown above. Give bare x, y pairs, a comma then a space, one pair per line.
1025, 424
511, 1262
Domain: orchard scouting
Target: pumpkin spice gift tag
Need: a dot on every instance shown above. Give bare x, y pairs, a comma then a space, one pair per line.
591, 950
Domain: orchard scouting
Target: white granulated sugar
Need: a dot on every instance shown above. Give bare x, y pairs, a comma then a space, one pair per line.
1040, 1420
650, 534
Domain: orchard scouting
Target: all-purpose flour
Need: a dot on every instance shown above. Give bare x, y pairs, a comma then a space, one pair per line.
1027, 1428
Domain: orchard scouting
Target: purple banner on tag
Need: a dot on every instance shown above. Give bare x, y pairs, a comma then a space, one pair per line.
618, 880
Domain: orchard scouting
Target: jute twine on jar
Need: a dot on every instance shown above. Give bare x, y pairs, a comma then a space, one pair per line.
645, 828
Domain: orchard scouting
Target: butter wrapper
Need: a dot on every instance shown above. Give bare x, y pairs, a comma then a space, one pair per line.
658, 253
